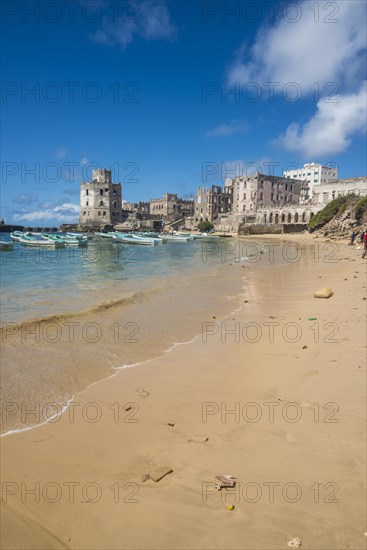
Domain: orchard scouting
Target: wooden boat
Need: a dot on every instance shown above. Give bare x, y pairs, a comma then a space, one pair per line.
131, 239
179, 238
40, 243
69, 241
17, 235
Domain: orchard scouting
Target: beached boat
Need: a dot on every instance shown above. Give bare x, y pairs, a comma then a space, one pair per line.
6, 245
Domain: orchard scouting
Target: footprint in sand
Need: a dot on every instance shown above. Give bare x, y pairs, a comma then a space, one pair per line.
311, 373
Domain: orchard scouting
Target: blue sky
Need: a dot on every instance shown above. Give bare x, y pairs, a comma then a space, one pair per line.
174, 94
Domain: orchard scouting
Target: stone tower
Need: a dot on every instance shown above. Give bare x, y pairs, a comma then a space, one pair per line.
100, 200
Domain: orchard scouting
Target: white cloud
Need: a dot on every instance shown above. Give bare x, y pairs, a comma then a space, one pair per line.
228, 129
307, 51
64, 213
330, 130
151, 21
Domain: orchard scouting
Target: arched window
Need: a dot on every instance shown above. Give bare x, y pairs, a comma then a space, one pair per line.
289, 217
271, 218
264, 218
283, 217
296, 217
304, 216
311, 215
277, 218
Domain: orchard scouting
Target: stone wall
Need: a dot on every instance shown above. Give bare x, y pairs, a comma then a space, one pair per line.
260, 229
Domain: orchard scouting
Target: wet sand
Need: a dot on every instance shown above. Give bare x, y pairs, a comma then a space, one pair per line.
277, 400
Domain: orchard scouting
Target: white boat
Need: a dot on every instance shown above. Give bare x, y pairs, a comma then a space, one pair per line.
69, 241
178, 238
130, 239
40, 243
17, 235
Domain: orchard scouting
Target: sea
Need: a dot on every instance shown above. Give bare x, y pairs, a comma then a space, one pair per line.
73, 316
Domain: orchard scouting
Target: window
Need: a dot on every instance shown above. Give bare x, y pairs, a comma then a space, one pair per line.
87, 192
100, 203
104, 213
101, 192
106, 189
99, 213
87, 203
84, 213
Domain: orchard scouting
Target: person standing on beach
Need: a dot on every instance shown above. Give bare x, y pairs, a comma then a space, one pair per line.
365, 244
352, 238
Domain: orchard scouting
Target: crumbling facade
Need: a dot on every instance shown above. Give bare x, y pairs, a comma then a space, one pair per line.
211, 202
100, 200
171, 207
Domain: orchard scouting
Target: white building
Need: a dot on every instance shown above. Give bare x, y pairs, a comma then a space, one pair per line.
322, 194
314, 174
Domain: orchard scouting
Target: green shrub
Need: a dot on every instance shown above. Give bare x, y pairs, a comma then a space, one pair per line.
360, 208
205, 226
326, 214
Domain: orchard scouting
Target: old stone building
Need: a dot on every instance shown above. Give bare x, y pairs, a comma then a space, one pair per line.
171, 207
100, 200
211, 202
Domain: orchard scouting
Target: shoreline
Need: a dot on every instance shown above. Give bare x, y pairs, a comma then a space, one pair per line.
173, 512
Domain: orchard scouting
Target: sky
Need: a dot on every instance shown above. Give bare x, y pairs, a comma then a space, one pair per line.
174, 94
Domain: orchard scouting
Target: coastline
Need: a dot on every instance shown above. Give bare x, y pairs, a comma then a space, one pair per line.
99, 445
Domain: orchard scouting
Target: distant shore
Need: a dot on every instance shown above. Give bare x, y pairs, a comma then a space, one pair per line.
273, 394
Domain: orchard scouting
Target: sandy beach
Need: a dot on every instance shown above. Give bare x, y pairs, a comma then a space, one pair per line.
273, 395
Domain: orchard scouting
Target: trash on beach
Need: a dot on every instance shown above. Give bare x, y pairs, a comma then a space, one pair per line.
143, 393
225, 481
127, 408
170, 424
230, 507
159, 473
145, 477
304, 347
323, 293
312, 318
197, 439
294, 543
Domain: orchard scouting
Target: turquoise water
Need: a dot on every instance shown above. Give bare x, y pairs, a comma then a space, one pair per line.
36, 283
